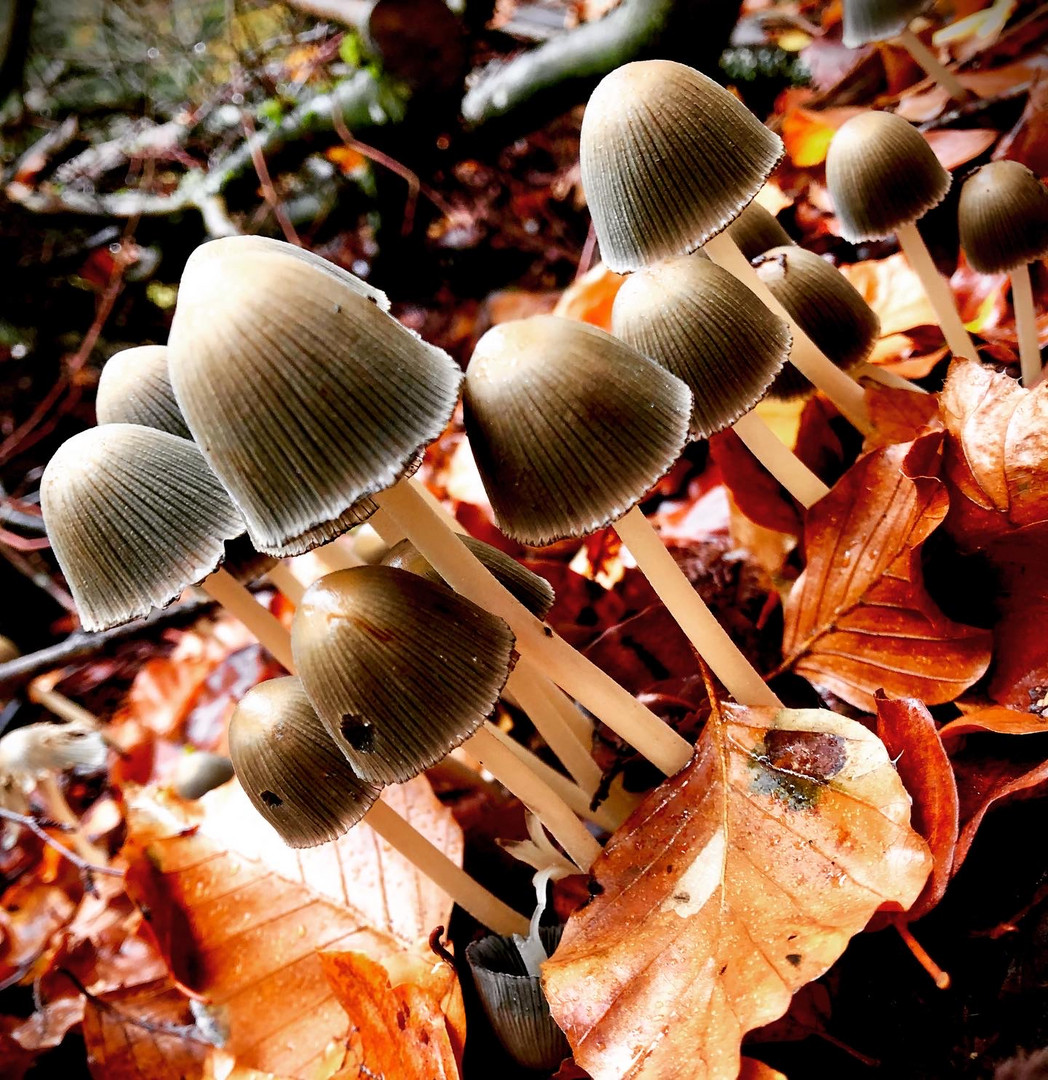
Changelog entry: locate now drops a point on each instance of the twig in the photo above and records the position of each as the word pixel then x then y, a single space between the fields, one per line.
pixel 20 543
pixel 30 823
pixel 269 192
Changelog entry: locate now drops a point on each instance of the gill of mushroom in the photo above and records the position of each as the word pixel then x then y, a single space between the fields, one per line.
pixel 301 784
pixel 669 159
pixel 570 428
pixel 1003 219
pixel 312 404
pixel 882 177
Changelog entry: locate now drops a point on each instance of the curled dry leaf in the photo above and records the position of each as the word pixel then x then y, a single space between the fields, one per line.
pixel 859 619
pixel 899 416
pixel 998 720
pixel 735 883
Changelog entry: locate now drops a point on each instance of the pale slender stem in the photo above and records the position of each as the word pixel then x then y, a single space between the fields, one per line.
pixel 805 355
pixel 61 706
pixel 458 770
pixel 285 581
pixel 335 556
pixel 238 601
pixel 485 907
pixel 551 810
pixel 59 810
pixel 938 291
pixel 779 460
pixel 596 690
pixel 571 717
pixel 707 636
pixel 924 58
pixel 887 378
pixel 1026 324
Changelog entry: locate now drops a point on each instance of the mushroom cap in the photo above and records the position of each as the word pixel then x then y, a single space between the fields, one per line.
pixel 881 173
pixel 292 772
pixel 756 230
pixel 1003 217
pixel 305 397
pixel 400 669
pixel 669 158
pixel 825 305
pixel 199 772
pixel 134 516
pixel 570 427
pixel 532 590
pixel 877 20
pixel 695 319
pixel 135 388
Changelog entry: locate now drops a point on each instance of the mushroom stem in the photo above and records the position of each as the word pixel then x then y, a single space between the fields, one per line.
pixel 805 355
pixel 937 290
pixel 286 582
pixel 887 378
pixel 924 58
pixel 238 601
pixel 336 555
pixel 60 810
pixel 60 705
pixel 707 636
pixel 582 679
pixel 554 814
pixel 1026 324
pixel 779 460
pixel 467 893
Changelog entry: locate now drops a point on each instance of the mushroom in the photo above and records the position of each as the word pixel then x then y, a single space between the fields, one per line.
pixel 200 771
pixel 867 21
pixel 297 779
pixel 882 176
pixel 669 159
pixel 1003 218
pixel 756 230
pixel 570 428
pixel 702 324
pixel 401 670
pixel 135 388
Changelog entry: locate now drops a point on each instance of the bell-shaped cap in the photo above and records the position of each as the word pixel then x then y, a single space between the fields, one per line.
pixel 303 394
pixel 756 230
pixel 400 669
pixel 1003 217
pixel 695 319
pixel 570 427
pixel 668 159
pixel 825 305
pixel 135 388
pixel 134 516
pixel 877 20
pixel 532 590
pixel 292 772
pixel 200 771
pixel 881 173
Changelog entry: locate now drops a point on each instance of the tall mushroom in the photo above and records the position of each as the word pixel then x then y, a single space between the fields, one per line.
pixel 135 388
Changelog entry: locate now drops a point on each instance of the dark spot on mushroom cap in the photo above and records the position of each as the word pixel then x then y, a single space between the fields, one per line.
pixel 681 897
pixel 794 958
pixel 817 755
pixel 271 799
pixel 358 732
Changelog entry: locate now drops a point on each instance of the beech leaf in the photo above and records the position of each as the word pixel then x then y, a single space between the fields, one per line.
pixel 859 618
pixel 735 883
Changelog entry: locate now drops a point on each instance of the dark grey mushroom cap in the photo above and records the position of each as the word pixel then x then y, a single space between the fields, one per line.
pixel 877 20
pixel 135 388
pixel 1003 217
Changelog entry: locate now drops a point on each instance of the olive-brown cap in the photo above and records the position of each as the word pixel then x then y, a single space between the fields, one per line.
pixel 292 771
pixel 756 230
pixel 695 319
pixel 1003 217
pixel 669 158
pixel 134 516
pixel 570 427
pixel 400 669
pixel 135 388
pixel 877 20
pixel 303 394
pixel 881 173
pixel 825 305
pixel 532 590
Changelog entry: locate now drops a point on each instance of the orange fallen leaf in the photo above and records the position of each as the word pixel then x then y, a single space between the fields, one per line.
pixel 807 133
pixel 859 618
pixel 899 416
pixel 735 883
pixel 955 147
pixel 998 720
pixel 757 1070
pixel 591 297
pixel 894 292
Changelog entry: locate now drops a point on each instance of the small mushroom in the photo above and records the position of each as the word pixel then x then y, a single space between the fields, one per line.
pixel 882 176
pixel 1003 218
pixel 756 230
pixel 200 771
pixel 135 388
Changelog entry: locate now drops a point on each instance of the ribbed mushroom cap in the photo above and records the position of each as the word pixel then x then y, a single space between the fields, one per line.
pixel 825 305
pixel 668 158
pixel 881 173
pixel 695 319
pixel 304 396
pixel 877 20
pixel 134 516
pixel 533 591
pixel 400 669
pixel 755 231
pixel 1003 217
pixel 569 426
pixel 292 772
pixel 135 388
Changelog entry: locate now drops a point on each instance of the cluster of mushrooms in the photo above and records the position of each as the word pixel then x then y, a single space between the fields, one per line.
pixel 289 406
